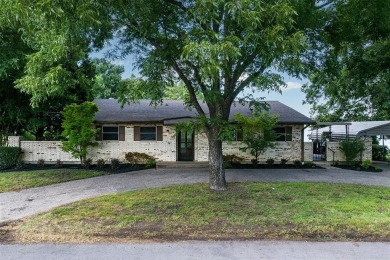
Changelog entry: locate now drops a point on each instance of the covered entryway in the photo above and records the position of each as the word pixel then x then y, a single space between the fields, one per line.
pixel 185 143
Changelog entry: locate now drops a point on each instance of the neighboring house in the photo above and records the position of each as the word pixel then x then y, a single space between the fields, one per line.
pixel 140 127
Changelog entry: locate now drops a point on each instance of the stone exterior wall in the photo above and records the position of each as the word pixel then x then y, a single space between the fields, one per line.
pixel 308 151
pixel 290 150
pixel 339 156
pixel 165 150
pixel 14 141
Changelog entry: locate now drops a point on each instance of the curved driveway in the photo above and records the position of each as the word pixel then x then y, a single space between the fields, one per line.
pixel 16 205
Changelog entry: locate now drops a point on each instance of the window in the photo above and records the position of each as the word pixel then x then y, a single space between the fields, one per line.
pixel 110 133
pixel 148 133
pixel 283 133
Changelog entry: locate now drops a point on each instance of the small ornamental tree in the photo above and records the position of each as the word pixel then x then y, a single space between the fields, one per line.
pixel 352 149
pixel 258 132
pixel 79 130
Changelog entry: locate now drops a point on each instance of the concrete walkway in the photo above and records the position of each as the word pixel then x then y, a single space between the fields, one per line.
pixel 16 205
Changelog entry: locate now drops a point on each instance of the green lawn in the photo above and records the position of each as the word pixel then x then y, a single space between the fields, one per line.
pixel 292 211
pixel 14 181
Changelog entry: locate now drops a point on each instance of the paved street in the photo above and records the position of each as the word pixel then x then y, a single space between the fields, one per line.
pixel 16 205
pixel 201 250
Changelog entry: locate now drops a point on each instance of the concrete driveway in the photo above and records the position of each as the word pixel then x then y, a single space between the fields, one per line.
pixel 16 205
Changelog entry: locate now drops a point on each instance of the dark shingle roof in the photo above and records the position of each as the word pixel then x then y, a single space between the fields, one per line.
pixel 172 111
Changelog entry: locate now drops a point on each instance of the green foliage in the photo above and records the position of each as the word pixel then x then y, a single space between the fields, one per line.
pixel 352 149
pixel 297 163
pixel 230 159
pixel 283 161
pixel 60 35
pixel 140 158
pixel 100 163
pixel 59 163
pixel 366 164
pixel 309 164
pixel 107 78
pixel 257 132
pixel 379 152
pixel 9 156
pixel 270 161
pixel 79 130
pixel 115 163
pixel 41 162
pixel 350 75
pixel 87 163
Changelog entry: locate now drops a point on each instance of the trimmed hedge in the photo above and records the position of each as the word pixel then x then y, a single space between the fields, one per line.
pixel 9 156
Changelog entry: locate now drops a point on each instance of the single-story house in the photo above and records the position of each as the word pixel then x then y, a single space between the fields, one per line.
pixel 151 129
pixel 140 127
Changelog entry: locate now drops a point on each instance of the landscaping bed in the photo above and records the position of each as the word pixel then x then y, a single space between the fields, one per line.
pixel 358 168
pixel 120 168
pixel 274 166
pixel 271 211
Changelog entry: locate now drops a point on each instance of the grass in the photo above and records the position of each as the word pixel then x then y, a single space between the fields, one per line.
pixel 14 181
pixel 288 211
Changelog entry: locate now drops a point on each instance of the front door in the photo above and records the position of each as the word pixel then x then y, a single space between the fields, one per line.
pixel 185 142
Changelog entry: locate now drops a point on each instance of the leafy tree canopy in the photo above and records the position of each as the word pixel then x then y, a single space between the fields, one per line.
pixel 350 77
pixel 107 78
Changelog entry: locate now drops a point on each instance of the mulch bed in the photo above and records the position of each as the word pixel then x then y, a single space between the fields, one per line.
pixel 125 167
pixel 274 166
pixel 357 168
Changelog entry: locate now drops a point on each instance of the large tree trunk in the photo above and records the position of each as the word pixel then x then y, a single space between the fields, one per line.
pixel 216 171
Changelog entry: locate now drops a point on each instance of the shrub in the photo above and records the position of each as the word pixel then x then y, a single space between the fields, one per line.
pixel 351 149
pixel 115 163
pixel 20 165
pixel 270 161
pixel 297 163
pixel 310 164
pixel 379 153
pixel 87 163
pixel 58 163
pixel 100 163
pixel 232 159
pixel 41 163
pixel 9 156
pixel 366 164
pixel 139 158
pixel 151 162
pixel 283 161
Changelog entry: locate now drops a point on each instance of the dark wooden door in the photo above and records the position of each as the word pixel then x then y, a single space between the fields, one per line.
pixel 185 141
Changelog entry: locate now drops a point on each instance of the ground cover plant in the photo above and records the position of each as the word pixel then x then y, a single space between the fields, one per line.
pixel 292 211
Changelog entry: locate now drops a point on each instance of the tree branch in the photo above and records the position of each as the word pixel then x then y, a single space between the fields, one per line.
pixel 190 88
pixel 247 81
